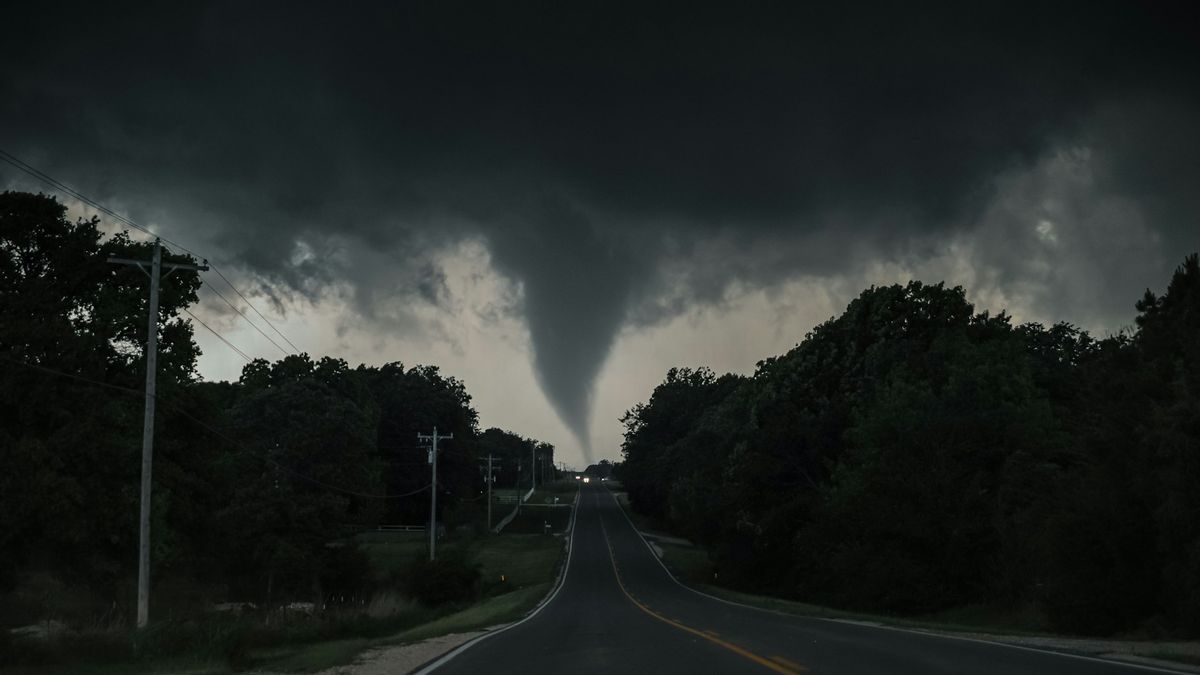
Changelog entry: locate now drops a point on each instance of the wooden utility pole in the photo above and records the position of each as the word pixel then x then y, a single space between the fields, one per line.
pixel 155 264
pixel 490 479
pixel 433 455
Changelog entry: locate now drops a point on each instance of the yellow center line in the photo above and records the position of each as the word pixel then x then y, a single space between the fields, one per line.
pixel 787 662
pixel 778 665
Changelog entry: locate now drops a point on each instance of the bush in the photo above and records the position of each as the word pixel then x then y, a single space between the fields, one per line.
pixel 437 582
pixel 1099 564
pixel 346 576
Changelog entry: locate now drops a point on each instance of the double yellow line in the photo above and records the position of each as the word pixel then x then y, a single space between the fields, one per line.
pixel 778 664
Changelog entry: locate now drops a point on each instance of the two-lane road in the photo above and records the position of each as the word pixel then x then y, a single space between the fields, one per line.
pixel 619 611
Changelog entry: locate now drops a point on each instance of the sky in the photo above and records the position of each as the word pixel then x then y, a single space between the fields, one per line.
pixel 557 202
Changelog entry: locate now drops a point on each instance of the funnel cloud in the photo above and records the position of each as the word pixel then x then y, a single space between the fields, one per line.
pixel 622 165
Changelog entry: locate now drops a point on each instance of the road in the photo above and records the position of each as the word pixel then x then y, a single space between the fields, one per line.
pixel 619 611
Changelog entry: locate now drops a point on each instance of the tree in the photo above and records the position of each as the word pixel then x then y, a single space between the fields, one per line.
pixel 68 450
pixel 305 447
pixel 414 401
pixel 1168 341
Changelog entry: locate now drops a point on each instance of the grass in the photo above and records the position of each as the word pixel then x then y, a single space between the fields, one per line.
pixel 521 559
pixel 641 522
pixel 528 564
pixel 311 657
pixel 391 550
pixel 691 565
pixel 495 610
pixel 317 656
pixel 1190 659
pixel 540 497
pixel 533 518
pixel 561 486
pixel 181 666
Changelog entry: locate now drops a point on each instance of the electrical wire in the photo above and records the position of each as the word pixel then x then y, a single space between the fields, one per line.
pixel 80 378
pixel 216 432
pixel 329 486
pixel 50 180
pixel 247 301
pixel 46 178
pixel 219 336
pixel 9 158
pixel 252 324
pixel 19 164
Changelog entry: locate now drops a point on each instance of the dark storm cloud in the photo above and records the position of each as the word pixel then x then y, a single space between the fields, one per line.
pixel 621 164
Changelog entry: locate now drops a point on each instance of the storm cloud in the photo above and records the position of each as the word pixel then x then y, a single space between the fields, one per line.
pixel 625 164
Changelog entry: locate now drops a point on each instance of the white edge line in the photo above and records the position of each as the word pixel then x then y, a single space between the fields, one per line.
pixel 1111 662
pixel 562 580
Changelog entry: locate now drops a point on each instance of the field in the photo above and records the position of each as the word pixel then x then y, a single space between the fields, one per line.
pixel 517 569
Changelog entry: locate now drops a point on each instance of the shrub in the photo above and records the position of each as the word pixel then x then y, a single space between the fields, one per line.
pixel 437 582
pixel 346 575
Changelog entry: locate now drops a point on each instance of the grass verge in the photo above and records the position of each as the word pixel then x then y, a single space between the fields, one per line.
pixel 493 611
pixel 1020 624
pixel 517 570
pixel 691 565
pixel 527 563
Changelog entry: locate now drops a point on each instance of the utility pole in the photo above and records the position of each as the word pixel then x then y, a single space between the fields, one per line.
pixel 490 479
pixel 433 450
pixel 155 263
pixel 533 466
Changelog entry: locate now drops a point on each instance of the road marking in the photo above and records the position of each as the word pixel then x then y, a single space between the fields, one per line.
pixel 1081 657
pixel 782 669
pixel 787 662
pixel 562 581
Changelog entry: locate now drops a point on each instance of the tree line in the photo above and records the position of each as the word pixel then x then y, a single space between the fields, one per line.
pixel 253 479
pixel 913 455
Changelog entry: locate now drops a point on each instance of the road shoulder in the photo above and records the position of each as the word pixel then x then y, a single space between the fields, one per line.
pixel 418 651
pixel 1169 656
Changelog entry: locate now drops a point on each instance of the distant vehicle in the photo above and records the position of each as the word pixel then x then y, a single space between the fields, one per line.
pixel 586 479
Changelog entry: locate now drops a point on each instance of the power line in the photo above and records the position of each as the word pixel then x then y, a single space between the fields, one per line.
pixel 80 378
pixel 219 336
pixel 9 158
pixel 46 178
pixel 252 324
pixel 260 314
pixel 295 473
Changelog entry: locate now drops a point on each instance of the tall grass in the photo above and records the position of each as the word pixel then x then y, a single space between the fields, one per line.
pixel 214 637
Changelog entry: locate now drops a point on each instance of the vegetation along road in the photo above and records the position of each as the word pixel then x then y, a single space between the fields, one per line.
pixel 618 610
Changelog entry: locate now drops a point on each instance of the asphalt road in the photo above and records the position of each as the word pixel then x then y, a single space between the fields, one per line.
pixel 619 611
